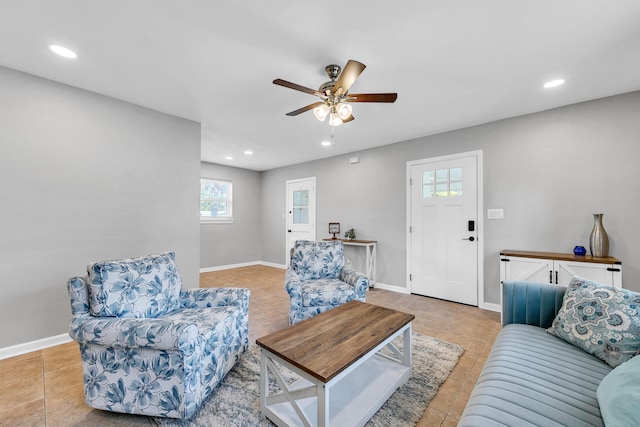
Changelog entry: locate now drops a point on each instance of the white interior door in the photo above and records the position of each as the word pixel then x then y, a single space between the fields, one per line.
pixel 301 211
pixel 443 233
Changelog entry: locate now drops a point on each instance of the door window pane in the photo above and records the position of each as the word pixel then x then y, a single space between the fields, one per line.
pixel 442 182
pixel 300 215
pixel 301 198
pixel 301 206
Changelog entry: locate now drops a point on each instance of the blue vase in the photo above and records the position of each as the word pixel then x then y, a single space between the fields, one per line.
pixel 579 250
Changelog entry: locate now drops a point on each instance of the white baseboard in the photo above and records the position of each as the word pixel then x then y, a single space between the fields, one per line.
pixel 28 347
pixel 242 264
pixel 391 288
pixel 491 306
pixel 228 267
pixel 272 264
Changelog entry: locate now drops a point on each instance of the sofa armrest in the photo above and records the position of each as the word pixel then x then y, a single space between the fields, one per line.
pixel 531 303
pixel 355 279
pixel 154 333
pixel 214 297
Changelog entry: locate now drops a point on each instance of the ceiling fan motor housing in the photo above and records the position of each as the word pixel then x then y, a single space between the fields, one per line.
pixel 333 71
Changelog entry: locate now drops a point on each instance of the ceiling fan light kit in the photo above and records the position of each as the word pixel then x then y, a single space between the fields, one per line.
pixel 335 95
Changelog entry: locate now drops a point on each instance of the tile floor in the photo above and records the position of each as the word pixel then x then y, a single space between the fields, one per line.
pixel 44 388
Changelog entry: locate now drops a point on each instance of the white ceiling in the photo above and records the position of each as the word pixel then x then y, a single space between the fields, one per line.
pixel 454 63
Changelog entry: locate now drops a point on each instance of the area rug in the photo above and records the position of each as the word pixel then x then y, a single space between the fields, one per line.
pixel 236 401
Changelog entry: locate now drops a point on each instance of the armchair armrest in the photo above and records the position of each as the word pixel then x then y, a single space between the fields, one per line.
pixel 214 297
pixel 155 333
pixel 531 303
pixel 355 279
pixel 293 284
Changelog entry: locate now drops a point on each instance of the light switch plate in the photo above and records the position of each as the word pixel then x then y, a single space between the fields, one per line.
pixel 495 213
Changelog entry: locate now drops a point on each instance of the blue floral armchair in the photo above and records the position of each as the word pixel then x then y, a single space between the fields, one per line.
pixel 148 346
pixel 317 280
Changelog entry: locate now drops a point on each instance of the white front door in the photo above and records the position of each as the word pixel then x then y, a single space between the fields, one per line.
pixel 443 228
pixel 301 211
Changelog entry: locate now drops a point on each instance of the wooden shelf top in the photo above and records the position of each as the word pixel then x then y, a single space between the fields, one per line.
pixel 351 240
pixel 560 256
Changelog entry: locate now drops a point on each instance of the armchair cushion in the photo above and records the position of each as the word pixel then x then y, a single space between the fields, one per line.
pixel 317 260
pixel 331 292
pixel 135 287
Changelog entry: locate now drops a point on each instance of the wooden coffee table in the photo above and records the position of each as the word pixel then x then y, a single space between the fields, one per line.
pixel 345 378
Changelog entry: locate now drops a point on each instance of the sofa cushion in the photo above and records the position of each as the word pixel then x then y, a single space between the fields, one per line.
pixel 317 260
pixel 135 287
pixel 532 378
pixel 601 320
pixel 323 292
pixel 619 395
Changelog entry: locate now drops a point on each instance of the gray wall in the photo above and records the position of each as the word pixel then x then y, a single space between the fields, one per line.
pixel 549 171
pixel 225 244
pixel 84 177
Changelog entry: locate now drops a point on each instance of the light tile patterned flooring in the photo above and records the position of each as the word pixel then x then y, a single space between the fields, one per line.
pixel 44 388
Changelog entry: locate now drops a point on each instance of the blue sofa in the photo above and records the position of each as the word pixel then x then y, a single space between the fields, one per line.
pixel 532 378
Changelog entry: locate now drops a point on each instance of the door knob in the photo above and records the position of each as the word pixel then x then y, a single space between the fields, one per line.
pixel 470 238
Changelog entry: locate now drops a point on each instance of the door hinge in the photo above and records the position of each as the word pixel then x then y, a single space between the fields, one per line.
pixel 410 277
pixel 410 181
pixel 410 229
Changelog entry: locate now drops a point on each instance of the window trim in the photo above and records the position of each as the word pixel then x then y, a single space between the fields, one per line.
pixel 222 219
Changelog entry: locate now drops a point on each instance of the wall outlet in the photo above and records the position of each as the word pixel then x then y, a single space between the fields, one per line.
pixel 348 263
pixel 495 213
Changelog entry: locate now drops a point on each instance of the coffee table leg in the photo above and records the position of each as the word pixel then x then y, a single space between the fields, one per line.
pixel 323 404
pixel 264 381
pixel 406 360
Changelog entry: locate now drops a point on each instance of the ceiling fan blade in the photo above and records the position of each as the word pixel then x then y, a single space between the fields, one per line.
pixel 348 75
pixel 348 119
pixel 372 97
pixel 303 109
pixel 294 86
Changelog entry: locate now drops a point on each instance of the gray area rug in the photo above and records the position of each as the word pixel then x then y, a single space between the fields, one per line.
pixel 236 401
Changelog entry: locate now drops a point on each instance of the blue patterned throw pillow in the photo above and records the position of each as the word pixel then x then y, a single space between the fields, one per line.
pixel 601 320
pixel 135 287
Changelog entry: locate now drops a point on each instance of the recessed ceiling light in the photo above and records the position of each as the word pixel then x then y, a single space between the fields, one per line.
pixel 248 152
pixel 554 83
pixel 62 51
pixel 229 158
pixel 326 143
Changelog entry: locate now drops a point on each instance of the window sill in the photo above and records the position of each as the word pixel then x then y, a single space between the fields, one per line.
pixel 216 221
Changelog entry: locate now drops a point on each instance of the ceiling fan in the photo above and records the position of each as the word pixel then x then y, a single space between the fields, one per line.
pixel 335 94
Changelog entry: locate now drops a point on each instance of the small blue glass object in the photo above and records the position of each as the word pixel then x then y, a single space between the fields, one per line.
pixel 579 250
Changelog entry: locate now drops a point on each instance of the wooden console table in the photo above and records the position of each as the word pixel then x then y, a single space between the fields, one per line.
pixel 370 260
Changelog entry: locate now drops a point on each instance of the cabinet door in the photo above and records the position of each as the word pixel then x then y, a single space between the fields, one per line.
pixel 526 269
pixel 600 273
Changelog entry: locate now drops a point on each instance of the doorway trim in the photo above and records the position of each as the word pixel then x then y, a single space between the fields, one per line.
pixel 480 217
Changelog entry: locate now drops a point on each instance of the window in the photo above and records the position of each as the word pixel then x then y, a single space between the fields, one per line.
pixel 301 207
pixel 216 201
pixel 442 183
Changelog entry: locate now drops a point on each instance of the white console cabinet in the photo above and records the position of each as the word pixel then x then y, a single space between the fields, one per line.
pixel 558 268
